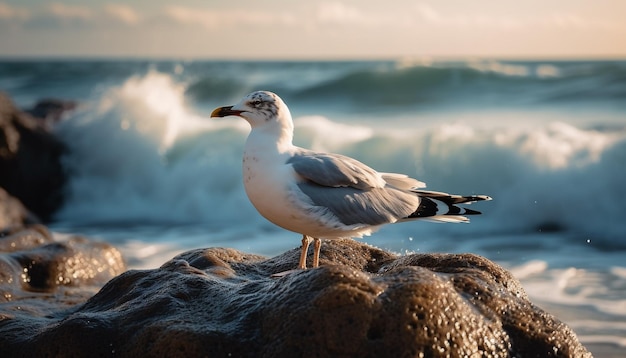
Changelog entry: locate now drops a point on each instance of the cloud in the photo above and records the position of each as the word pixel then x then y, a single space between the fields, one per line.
pixel 568 21
pixel 466 20
pixel 8 12
pixel 328 27
pixel 427 12
pixel 123 13
pixel 205 18
pixel 59 15
pixel 574 21
pixel 484 19
pixel 53 15
pixel 337 12
pixel 414 17
pixel 68 12
pixel 211 19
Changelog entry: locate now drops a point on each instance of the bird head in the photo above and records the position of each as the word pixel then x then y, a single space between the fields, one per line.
pixel 261 108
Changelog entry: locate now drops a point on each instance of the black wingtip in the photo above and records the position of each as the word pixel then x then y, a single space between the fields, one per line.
pixel 432 201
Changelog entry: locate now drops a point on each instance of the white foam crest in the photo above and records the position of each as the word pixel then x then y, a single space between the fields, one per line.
pixel 547 71
pixel 601 338
pixel 555 174
pixel 552 173
pixel 591 302
pixel 600 325
pixel 144 255
pixel 125 166
pixel 516 70
pixel 619 272
pixel 321 134
pixel 140 155
pixel 558 145
pixel 411 62
pixel 154 106
pixel 577 287
pixel 154 93
pixel 530 268
pixel 500 68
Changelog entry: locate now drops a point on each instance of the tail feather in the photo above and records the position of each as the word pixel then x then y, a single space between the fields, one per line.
pixel 442 207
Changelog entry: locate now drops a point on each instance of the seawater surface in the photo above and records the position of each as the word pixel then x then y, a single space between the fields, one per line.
pixel 152 174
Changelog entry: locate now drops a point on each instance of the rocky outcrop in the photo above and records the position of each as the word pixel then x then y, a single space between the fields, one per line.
pixel 51 110
pixel 362 302
pixel 40 274
pixel 30 160
pixel 12 213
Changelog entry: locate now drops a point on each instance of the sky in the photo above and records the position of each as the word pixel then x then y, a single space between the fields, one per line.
pixel 288 29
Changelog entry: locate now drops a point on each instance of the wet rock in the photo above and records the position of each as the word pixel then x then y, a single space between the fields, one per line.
pixel 51 110
pixel 39 274
pixel 13 213
pixel 30 161
pixel 362 302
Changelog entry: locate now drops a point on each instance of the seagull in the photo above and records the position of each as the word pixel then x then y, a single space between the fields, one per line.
pixel 325 195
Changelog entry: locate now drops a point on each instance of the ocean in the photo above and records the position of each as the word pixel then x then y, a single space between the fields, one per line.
pixel 152 174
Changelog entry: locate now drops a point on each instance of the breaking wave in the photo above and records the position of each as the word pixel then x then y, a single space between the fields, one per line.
pixel 140 153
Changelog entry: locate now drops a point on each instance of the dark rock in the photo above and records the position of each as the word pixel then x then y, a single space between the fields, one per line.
pixel 39 275
pixel 30 161
pixel 13 213
pixel 51 110
pixel 362 302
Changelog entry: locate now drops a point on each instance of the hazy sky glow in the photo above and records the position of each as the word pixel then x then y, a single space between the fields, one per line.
pixel 278 29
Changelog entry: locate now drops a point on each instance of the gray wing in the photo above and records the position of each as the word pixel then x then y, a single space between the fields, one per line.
pixel 352 191
pixel 335 170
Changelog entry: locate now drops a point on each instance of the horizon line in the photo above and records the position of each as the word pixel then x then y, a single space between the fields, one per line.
pixel 416 58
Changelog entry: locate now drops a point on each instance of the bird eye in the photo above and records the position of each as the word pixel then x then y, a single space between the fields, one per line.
pixel 256 102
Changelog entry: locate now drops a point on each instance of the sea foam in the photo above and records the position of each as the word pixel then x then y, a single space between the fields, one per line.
pixel 140 153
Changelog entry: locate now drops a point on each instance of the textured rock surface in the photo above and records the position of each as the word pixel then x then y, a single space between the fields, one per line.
pixel 30 161
pixel 39 275
pixel 51 110
pixel 362 302
pixel 13 213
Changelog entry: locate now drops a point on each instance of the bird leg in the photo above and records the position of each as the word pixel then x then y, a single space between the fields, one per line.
pixel 306 241
pixel 317 245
